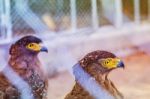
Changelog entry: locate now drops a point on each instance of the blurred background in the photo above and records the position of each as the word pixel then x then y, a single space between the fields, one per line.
pixel 73 28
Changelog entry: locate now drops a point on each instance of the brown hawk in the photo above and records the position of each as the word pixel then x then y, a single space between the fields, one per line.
pixel 25 63
pixel 91 76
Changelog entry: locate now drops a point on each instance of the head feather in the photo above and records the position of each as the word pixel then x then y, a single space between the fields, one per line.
pixel 94 57
pixel 28 39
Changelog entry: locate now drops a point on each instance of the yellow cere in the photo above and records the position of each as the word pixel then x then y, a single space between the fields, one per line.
pixel 109 63
pixel 34 46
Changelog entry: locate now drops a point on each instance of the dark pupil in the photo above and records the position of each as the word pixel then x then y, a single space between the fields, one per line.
pixel 107 62
pixel 31 45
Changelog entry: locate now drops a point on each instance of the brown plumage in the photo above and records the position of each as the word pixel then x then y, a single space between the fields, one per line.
pixel 97 73
pixel 25 63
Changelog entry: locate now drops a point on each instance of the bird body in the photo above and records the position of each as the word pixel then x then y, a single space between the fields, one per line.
pixel 92 78
pixel 26 65
pixel 30 70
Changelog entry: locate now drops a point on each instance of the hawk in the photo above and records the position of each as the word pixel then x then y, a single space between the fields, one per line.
pixel 91 76
pixel 25 63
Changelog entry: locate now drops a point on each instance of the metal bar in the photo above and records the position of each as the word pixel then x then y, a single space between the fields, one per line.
pixel 148 9
pixel 1 8
pixel 119 13
pixel 94 14
pixel 8 20
pixel 137 11
pixel 73 15
pixel 59 12
pixel 2 25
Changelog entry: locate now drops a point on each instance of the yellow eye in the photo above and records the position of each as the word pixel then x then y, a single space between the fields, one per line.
pixel 109 62
pixel 106 62
pixel 33 46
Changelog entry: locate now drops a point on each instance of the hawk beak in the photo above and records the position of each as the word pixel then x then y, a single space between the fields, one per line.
pixel 44 49
pixel 120 64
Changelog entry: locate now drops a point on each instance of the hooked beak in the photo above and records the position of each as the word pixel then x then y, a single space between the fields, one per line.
pixel 44 49
pixel 120 64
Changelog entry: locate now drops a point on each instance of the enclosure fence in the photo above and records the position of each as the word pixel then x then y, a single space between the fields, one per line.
pixel 20 17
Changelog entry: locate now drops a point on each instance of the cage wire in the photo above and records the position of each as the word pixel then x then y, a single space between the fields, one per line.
pixel 3 19
pixel 39 16
pixel 57 16
pixel 83 13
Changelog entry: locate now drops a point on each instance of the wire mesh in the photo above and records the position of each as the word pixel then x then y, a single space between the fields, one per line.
pixel 83 13
pixel 48 16
pixel 40 16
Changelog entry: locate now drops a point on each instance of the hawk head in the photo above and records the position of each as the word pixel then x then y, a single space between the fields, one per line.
pixel 100 62
pixel 27 45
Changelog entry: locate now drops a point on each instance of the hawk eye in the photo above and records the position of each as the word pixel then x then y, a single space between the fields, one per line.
pixel 106 62
pixel 31 45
